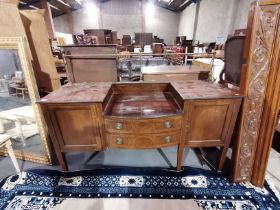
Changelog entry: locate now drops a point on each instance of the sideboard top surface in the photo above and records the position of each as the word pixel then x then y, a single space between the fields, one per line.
pixel 197 89
pixel 97 91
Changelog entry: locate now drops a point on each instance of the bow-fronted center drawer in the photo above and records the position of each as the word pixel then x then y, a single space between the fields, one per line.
pixel 155 125
pixel 143 141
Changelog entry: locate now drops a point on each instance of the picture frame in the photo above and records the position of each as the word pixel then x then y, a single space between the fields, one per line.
pixel 20 44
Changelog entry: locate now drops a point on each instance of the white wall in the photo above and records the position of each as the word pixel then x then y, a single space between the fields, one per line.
pixel 163 23
pixel 77 21
pixel 62 24
pixel 123 16
pixel 215 18
pixel 242 14
pixel 186 22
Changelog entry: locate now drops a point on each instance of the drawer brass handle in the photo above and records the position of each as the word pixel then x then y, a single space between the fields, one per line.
pixel 119 141
pixel 168 124
pixel 119 126
pixel 168 139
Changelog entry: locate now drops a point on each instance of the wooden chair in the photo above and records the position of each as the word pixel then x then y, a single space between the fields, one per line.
pixel 234 48
pixel 6 142
pixel 230 76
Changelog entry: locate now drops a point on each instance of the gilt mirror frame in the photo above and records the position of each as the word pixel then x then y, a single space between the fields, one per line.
pixel 20 44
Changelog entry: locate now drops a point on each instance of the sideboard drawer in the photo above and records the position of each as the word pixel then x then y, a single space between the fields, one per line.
pixel 145 126
pixel 168 124
pixel 142 141
pixel 120 140
pixel 167 139
pixel 118 126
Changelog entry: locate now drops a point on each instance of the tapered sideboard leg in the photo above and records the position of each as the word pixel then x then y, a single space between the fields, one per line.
pixel 180 154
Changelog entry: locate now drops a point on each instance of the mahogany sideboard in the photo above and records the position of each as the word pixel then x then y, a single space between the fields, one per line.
pixel 94 116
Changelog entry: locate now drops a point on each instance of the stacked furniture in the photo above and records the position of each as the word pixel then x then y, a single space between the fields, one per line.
pixel 130 68
pixel 158 48
pixel 87 63
pixel 143 39
pixel 103 35
pixel 126 40
pixel 114 37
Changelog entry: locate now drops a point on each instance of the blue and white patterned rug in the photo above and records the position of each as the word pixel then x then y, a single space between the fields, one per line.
pixel 45 189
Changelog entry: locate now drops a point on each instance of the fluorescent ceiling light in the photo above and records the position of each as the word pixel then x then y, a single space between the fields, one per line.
pixel 150 9
pixel 33 7
pixel 54 7
pixel 91 8
pixel 62 2
pixel 170 2
pixel 185 3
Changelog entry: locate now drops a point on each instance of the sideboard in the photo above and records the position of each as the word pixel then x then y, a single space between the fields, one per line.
pixel 94 116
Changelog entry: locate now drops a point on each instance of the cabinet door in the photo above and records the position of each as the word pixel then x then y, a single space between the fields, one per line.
pixel 76 128
pixel 210 122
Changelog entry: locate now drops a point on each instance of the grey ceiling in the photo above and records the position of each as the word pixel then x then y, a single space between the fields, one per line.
pixel 60 7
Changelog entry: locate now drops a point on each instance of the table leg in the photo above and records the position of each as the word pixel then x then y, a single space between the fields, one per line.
pixel 62 161
pixel 16 92
pixel 22 92
pixel 12 155
pixel 222 158
pixel 19 131
pixel 180 154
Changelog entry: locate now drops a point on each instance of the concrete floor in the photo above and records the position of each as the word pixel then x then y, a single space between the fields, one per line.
pixel 164 158
pixel 273 168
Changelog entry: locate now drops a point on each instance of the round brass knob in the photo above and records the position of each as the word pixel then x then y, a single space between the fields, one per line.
pixel 168 124
pixel 119 126
pixel 168 139
pixel 119 141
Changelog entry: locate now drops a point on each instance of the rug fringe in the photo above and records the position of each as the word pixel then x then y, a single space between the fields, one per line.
pixel 272 186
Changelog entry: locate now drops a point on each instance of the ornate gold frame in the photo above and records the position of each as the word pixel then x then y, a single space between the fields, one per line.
pixel 19 43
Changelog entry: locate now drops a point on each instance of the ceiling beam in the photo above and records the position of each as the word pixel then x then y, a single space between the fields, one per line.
pixel 166 7
pixel 185 5
pixel 170 2
pixel 61 5
pixel 26 5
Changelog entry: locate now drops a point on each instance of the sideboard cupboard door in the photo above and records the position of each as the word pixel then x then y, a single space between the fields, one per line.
pixel 76 127
pixel 210 122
